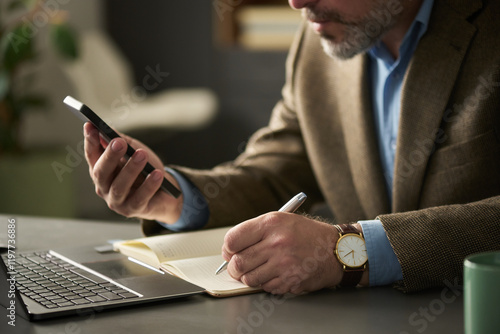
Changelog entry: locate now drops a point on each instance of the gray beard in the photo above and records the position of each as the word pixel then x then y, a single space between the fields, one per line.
pixel 355 43
pixel 362 35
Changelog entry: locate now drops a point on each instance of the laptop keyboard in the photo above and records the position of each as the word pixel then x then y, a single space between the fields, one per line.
pixel 55 283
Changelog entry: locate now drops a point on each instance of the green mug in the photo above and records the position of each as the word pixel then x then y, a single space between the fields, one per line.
pixel 482 293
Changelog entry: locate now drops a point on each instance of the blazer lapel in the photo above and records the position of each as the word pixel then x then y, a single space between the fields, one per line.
pixel 360 137
pixel 425 97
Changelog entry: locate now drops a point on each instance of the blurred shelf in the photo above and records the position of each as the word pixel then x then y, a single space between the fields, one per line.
pixel 255 24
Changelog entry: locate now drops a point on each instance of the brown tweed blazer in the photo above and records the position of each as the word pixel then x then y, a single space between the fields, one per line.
pixel 321 140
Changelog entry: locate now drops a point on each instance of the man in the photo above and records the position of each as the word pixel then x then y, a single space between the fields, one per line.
pixel 390 114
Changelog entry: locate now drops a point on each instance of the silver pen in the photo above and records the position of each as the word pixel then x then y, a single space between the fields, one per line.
pixel 290 206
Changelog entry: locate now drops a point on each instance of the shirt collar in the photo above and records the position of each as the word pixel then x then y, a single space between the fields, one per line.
pixel 412 36
pixel 423 17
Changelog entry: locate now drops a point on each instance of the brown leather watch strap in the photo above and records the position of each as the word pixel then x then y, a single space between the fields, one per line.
pixel 347 228
pixel 351 278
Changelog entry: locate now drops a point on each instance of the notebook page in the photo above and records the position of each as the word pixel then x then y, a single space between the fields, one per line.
pixel 201 271
pixel 183 245
pixel 186 245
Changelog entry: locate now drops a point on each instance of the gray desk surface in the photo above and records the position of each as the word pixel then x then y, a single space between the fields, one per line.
pixel 365 310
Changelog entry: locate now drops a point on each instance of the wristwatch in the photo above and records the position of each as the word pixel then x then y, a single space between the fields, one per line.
pixel 351 252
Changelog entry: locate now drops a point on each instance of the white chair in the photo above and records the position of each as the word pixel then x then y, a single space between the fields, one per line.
pixel 103 80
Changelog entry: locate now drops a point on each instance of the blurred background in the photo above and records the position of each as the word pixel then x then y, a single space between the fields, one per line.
pixel 192 79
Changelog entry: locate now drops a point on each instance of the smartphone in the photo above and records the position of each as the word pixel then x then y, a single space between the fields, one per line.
pixel 87 115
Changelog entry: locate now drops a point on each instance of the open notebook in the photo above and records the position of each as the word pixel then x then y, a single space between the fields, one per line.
pixel 192 256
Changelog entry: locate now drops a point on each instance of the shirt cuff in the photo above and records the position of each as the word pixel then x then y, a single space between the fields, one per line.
pixel 384 265
pixel 195 211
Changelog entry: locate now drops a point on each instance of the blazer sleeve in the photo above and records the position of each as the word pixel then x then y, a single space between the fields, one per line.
pixel 431 244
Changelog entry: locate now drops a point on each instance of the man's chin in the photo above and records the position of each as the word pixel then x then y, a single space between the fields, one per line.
pixel 339 50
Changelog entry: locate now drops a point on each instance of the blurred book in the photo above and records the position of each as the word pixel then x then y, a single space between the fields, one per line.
pixel 267 27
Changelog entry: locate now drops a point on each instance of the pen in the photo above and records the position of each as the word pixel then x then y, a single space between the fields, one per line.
pixel 290 206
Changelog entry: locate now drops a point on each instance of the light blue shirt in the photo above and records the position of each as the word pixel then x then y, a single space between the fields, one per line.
pixel 195 212
pixel 387 76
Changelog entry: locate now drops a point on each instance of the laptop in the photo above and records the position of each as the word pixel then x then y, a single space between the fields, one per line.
pixel 78 280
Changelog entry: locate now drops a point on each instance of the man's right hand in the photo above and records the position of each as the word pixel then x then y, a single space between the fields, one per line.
pixel 120 183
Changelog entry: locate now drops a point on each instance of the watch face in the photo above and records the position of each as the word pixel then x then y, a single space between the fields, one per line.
pixel 351 250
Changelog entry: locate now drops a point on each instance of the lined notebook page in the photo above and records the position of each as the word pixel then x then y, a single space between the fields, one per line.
pixel 184 245
pixel 201 271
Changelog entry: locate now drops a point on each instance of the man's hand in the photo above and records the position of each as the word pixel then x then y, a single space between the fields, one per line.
pixel 120 183
pixel 283 252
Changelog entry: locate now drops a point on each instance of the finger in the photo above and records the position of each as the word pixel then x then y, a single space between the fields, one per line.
pixel 284 282
pixel 277 286
pixel 124 180
pixel 276 266
pixel 260 276
pixel 93 148
pixel 141 198
pixel 105 168
pixel 103 141
pixel 248 260
pixel 245 235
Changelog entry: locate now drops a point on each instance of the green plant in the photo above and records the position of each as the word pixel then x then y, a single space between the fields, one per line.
pixel 22 27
